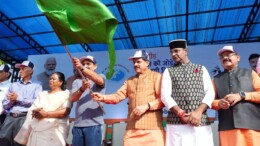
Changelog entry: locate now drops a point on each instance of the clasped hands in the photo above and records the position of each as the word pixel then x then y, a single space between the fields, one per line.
pixel 12 96
pixel 39 113
pixel 229 100
pixel 193 118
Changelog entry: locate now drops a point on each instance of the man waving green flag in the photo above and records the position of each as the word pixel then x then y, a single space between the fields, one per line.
pixel 82 21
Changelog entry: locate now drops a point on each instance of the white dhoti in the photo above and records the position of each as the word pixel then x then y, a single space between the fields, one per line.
pixel 187 135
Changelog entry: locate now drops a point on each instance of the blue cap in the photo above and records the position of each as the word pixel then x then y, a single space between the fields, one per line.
pixel 25 63
pixel 91 58
pixel 4 68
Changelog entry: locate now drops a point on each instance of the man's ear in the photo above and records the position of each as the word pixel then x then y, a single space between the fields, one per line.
pixel 31 71
pixel 95 66
pixel 186 50
pixel 148 63
pixel 238 57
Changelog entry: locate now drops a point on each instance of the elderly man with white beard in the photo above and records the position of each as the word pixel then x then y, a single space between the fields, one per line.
pixel 49 67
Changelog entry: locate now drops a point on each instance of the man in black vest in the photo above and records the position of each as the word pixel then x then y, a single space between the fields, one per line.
pixel 186 92
pixel 237 101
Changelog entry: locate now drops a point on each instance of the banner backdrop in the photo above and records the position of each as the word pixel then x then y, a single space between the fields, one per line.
pixel 160 58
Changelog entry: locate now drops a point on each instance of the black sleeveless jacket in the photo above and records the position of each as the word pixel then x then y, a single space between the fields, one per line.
pixel 243 115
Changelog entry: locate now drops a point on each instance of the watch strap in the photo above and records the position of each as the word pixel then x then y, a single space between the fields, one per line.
pixel 242 95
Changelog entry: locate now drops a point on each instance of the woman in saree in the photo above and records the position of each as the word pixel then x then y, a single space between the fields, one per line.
pixel 47 121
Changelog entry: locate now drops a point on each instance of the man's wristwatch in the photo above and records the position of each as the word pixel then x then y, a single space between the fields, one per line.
pixel 242 95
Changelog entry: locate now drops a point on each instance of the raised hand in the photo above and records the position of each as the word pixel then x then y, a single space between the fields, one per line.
pixel 195 118
pixel 76 62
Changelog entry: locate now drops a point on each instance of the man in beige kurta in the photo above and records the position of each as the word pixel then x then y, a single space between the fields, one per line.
pixel 144 120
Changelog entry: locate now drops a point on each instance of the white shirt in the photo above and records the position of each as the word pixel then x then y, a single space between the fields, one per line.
pixel 166 89
pixel 4 86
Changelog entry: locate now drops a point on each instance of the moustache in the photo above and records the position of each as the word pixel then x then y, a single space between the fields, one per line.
pixel 226 60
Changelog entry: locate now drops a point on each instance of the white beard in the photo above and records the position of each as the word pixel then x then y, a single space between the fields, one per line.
pixel 49 72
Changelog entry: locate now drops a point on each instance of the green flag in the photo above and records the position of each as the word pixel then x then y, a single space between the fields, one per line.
pixel 82 21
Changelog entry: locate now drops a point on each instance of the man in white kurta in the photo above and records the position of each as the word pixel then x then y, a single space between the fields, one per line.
pixel 187 92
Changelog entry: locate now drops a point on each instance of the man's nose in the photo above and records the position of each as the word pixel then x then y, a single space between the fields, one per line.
pixel 173 53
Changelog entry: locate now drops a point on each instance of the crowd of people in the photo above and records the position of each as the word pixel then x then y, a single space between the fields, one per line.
pixel 36 113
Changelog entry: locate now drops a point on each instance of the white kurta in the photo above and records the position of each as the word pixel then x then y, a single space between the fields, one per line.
pixel 187 135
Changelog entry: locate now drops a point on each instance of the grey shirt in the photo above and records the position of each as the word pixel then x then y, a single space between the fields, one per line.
pixel 88 112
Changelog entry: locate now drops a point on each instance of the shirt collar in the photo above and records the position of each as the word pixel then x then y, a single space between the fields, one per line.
pixel 145 73
pixel 233 70
pixel 29 82
pixel 182 64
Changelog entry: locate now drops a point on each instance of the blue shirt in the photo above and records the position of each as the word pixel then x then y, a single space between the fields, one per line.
pixel 26 95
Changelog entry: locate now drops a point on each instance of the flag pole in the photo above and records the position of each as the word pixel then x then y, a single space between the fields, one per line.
pixel 83 77
pixel 68 52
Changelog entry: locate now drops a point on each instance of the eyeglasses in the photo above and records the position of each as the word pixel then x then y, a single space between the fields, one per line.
pixel 227 55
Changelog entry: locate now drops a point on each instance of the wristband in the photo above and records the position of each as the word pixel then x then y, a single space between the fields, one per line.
pixel 181 114
pixel 81 90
